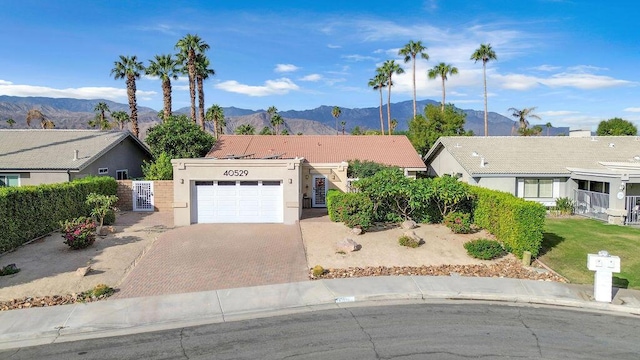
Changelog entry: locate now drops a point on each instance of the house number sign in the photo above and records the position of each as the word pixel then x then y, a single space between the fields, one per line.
pixel 236 173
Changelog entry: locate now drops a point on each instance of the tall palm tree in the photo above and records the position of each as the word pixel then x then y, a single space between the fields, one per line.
pixel 336 112
pixel 202 73
pixel 442 70
pixel 190 46
pixel 410 51
pixel 215 114
pixel 129 68
pixel 486 54
pixel 120 118
pixel 276 121
pixel 549 126
pixel 522 115
pixel 166 68
pixel 343 124
pixel 378 83
pixel 101 119
pixel 35 114
pixel 389 68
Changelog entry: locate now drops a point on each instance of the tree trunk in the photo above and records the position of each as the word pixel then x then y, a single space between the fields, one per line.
pixel 201 100
pixel 442 106
pixel 486 119
pixel 414 86
pixel 131 93
pixel 389 106
pixel 191 65
pixel 215 126
pixel 166 95
pixel 381 118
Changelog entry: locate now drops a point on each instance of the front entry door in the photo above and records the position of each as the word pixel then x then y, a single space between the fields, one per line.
pixel 320 185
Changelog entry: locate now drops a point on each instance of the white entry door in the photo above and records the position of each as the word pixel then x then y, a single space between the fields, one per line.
pixel 142 195
pixel 320 186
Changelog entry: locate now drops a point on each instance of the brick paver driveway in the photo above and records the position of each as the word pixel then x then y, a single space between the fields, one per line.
pixel 205 257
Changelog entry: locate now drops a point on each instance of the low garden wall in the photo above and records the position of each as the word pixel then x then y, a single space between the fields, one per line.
pixel 162 195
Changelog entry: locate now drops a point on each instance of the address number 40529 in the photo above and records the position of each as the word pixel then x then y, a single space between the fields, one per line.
pixel 236 173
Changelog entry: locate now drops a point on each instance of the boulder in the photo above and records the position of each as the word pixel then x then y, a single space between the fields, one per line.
pixel 83 271
pixel 414 236
pixel 356 231
pixel 347 245
pixel 408 224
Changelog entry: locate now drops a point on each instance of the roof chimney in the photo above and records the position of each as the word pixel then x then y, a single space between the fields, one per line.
pixel 75 155
pixel 482 163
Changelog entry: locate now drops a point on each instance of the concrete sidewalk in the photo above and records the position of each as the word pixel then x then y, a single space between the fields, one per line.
pixel 29 327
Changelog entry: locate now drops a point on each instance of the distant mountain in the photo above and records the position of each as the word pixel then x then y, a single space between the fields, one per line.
pixel 76 113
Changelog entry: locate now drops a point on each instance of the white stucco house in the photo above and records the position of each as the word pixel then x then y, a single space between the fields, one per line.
pixel 601 174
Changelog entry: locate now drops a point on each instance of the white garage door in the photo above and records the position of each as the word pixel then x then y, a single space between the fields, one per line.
pixel 239 201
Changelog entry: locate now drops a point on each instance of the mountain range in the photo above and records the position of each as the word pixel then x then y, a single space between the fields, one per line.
pixel 76 113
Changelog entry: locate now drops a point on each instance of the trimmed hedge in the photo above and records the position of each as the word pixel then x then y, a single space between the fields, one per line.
pixel 333 196
pixel 516 222
pixel 354 209
pixel 28 212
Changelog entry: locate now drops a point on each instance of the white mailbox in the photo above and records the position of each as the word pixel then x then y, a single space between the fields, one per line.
pixel 604 265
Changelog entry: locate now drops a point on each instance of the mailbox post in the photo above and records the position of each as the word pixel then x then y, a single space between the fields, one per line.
pixel 604 265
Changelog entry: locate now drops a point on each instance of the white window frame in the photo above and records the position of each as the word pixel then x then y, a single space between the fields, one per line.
pixel 5 176
pixel 103 171
pixel 537 188
pixel 122 171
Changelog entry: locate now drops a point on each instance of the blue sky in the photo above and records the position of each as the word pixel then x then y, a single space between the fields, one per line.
pixel 576 60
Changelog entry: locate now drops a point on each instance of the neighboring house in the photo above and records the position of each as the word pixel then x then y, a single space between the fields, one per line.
pixel 33 157
pixel 270 178
pixel 601 174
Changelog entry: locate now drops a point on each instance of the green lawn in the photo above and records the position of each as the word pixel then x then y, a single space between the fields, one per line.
pixel 567 242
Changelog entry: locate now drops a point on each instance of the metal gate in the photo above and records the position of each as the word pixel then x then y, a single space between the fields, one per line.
pixel 633 210
pixel 142 195
pixel 591 204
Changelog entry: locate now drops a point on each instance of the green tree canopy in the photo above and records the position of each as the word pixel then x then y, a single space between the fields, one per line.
pixel 425 130
pixel 245 129
pixel 616 127
pixel 179 137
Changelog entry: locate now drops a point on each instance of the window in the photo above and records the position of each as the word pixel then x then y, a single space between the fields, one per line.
pixel 122 174
pixel 595 186
pixel 9 180
pixel 538 188
pixel 103 171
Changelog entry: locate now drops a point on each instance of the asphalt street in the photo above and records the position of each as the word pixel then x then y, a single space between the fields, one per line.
pixel 459 330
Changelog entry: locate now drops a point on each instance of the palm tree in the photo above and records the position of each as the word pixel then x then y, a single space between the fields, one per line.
pixel 245 129
pixel 120 118
pixel 442 70
pixel 549 126
pixel 166 68
pixel 271 111
pixel 410 51
pixel 100 120
pixel 215 114
pixel 202 73
pixel 129 68
pixel 534 131
pixel 378 83
pixel 188 47
pixel 11 122
pixel 394 124
pixel 35 114
pixel 389 68
pixel 336 112
pixel 276 121
pixel 343 124
pixel 522 115
pixel 484 53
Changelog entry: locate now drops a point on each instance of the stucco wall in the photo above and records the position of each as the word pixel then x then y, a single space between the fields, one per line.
pixel 126 155
pixel 187 171
pixel 37 178
pixel 445 164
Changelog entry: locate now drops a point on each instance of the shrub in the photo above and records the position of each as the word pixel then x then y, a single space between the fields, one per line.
pixel 515 222
pixel 356 210
pixel 451 195
pixel 78 233
pixel 564 206
pixel 458 222
pixel 110 217
pixel 484 249
pixel 100 290
pixel 160 169
pixel 101 204
pixel 390 191
pixel 318 270
pixel 362 169
pixel 9 270
pixel 408 241
pixel 333 197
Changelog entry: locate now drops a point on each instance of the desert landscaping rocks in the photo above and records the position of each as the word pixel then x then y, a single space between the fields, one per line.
pixel 412 235
pixel 347 245
pixel 508 268
pixel 45 301
pixel 356 231
pixel 408 225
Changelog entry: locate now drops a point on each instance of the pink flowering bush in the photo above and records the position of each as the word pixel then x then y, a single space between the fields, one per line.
pixel 79 233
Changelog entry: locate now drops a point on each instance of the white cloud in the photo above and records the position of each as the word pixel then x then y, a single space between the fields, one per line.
pixel 585 69
pixel 546 68
pixel 109 93
pixel 583 81
pixel 632 109
pixel 311 77
pixel 282 68
pixel 558 113
pixel 332 46
pixel 356 57
pixel 271 87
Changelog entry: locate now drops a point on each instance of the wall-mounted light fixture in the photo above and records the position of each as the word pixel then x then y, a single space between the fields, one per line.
pixel 290 181
pixel 181 181
pixel 306 177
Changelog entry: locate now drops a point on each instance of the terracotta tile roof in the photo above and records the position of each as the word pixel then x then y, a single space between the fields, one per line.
pixel 393 150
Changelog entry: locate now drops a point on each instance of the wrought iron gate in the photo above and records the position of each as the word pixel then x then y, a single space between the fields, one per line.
pixel 633 210
pixel 142 195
